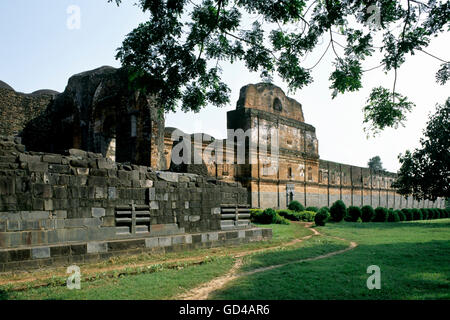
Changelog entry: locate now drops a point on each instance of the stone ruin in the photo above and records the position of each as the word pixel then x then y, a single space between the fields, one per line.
pixel 88 174
pixel 82 179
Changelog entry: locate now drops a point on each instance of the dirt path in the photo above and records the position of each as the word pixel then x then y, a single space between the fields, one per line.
pixel 202 292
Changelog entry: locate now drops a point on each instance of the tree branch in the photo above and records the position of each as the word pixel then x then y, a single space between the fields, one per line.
pixel 326 50
pixel 219 6
pixel 431 55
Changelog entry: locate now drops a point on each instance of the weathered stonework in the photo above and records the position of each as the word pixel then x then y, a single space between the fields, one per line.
pixel 99 112
pixel 17 109
pixel 46 201
pixel 301 174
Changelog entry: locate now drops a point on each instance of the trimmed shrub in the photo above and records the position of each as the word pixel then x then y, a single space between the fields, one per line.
pixel 296 206
pixel 381 215
pixel 393 216
pixel 314 209
pixel 437 214
pixel 424 213
pixel 408 214
pixel 290 215
pixel 442 213
pixel 322 216
pixel 401 215
pixel 280 220
pixel 255 215
pixel 267 216
pixel 367 213
pixel 354 213
pixel 338 211
pixel 417 214
pixel 308 216
pixel 428 214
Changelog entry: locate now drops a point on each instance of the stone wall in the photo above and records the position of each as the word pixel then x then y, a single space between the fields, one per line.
pixel 49 200
pixel 100 112
pixel 17 109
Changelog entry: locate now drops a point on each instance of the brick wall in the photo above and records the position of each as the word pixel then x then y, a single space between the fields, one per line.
pixel 48 199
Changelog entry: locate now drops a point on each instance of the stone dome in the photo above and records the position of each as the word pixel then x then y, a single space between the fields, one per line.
pixel 45 91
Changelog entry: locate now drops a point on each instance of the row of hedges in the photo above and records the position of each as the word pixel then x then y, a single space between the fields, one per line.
pixel 380 214
pixel 338 212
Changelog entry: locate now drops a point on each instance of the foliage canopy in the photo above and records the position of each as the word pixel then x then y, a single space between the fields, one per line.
pixel 176 55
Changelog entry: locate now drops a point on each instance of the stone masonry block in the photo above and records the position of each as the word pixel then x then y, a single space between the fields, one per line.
pixel 213 236
pixel 165 241
pixel 151 243
pixel 98 212
pixel 97 247
pixel 154 205
pixel 40 253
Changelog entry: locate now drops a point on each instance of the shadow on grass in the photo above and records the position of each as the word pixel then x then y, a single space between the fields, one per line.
pixel 408 271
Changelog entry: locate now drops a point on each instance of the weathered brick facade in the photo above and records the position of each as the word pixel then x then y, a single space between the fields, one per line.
pixel 300 174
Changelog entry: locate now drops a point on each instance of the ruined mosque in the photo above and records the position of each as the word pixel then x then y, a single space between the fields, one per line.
pixel 88 173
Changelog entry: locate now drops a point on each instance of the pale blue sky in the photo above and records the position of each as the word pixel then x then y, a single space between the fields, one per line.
pixel 38 51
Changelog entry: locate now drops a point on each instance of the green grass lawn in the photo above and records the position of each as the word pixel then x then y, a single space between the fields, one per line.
pixel 163 283
pixel 414 258
pixel 312 247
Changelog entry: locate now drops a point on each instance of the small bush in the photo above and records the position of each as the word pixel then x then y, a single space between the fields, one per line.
pixel 367 213
pixel 417 214
pixel 280 220
pixel 267 216
pixel 401 215
pixel 424 214
pixel 338 211
pixel 437 214
pixel 408 214
pixel 322 216
pixel 296 206
pixel 255 215
pixel 393 216
pixel 354 213
pixel 290 215
pixel 381 215
pixel 314 209
pixel 444 213
pixel 307 216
